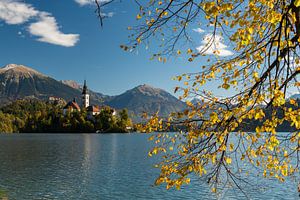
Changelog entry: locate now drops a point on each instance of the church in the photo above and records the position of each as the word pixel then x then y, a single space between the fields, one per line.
pixel 73 106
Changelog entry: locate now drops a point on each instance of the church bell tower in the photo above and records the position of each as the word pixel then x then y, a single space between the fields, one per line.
pixel 85 96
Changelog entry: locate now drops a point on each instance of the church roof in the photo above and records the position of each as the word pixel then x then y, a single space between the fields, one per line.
pixel 72 104
pixel 93 109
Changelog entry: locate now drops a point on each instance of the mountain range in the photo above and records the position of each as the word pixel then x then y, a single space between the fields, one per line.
pixel 22 82
pixel 145 98
pixel 19 82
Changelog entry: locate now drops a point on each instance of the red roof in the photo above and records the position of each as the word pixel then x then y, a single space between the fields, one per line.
pixel 72 105
pixel 93 109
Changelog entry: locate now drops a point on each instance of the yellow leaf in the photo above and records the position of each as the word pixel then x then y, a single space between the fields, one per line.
pixel 243 157
pixel 138 16
pixel 168 186
pixel 226 86
pixel 297 3
pixel 188 103
pixel 292 101
pixel 214 117
pixel 231 146
pixel 228 160
pixel 154 151
pixel 187 181
pixel 151 138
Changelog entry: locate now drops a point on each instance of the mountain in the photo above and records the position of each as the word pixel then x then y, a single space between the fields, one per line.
pixel 145 98
pixel 196 101
pixel 93 95
pixel 72 84
pixel 19 82
pixel 295 96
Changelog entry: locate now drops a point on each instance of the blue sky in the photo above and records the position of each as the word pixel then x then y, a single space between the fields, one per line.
pixel 63 39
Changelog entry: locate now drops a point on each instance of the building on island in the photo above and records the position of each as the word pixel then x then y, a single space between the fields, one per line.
pixel 92 110
pixel 71 106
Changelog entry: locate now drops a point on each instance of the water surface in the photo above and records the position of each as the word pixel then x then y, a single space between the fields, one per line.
pixel 83 166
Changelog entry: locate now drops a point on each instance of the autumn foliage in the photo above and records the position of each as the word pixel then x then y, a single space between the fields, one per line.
pixel 265 36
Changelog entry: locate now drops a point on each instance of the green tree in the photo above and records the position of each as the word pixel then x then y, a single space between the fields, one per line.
pixel 124 121
pixel 105 121
pixel 6 125
pixel 32 116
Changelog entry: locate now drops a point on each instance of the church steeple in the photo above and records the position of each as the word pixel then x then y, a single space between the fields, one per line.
pixel 85 96
pixel 84 89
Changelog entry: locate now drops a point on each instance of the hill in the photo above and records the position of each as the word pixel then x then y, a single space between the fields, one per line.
pixel 145 98
pixel 21 82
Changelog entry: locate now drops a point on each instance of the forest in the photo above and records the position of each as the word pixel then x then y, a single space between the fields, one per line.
pixel 35 116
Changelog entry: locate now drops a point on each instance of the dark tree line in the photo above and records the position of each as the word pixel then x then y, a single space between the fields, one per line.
pixel 33 116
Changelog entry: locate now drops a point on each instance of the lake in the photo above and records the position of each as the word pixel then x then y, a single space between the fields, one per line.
pixel 112 166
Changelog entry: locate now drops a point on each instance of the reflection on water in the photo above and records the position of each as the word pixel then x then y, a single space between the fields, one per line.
pixel 111 166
